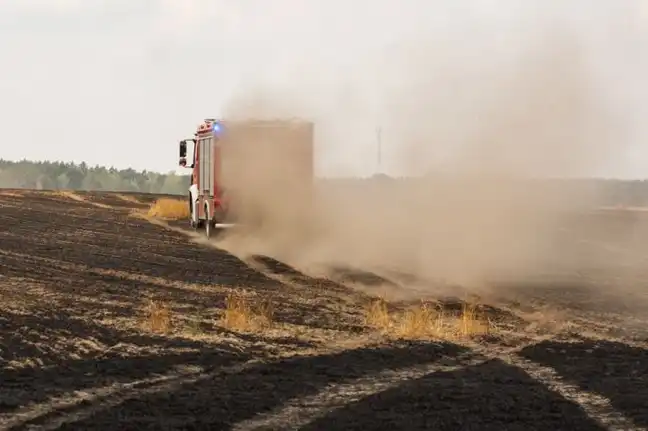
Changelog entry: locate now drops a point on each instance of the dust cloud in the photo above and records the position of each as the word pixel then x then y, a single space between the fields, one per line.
pixel 487 210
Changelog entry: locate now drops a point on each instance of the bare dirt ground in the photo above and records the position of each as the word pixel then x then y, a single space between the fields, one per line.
pixel 77 272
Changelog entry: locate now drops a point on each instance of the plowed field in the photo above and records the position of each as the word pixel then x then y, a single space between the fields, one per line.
pixel 78 271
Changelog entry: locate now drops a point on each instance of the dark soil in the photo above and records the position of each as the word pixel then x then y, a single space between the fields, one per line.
pixel 76 275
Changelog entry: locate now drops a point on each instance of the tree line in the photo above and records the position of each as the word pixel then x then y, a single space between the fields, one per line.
pixel 47 175
pixel 71 176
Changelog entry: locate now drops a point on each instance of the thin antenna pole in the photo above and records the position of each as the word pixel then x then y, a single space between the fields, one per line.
pixel 379 148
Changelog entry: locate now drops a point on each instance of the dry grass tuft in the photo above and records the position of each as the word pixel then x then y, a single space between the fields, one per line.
pixel 158 317
pixel 169 209
pixel 377 315
pixel 241 315
pixel 193 328
pixel 472 322
pixel 419 322
pixel 426 321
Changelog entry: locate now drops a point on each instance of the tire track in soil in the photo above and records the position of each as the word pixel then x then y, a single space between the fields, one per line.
pixel 302 412
pixel 596 406
pixel 81 405
pixel 315 412
pixel 615 372
pixel 218 399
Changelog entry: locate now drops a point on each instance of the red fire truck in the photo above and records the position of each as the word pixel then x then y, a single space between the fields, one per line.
pixel 231 159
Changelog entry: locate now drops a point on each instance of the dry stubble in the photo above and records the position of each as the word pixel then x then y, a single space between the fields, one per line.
pixel 427 321
pixel 243 314
pixel 169 209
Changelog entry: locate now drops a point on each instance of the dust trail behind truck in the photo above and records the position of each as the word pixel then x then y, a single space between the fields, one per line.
pixel 254 173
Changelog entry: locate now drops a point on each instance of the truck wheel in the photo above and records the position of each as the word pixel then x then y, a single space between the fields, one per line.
pixel 194 224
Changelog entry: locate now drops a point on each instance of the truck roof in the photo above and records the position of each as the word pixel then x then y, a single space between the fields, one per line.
pixel 258 120
pixel 208 124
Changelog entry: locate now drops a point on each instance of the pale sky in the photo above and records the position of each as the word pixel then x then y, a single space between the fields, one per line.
pixel 116 82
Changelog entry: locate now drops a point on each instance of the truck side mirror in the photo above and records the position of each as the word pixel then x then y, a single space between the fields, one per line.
pixel 183 149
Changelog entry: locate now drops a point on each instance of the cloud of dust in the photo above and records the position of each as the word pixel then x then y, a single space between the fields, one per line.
pixel 480 215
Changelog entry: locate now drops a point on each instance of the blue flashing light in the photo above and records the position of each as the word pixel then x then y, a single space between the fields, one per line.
pixel 217 128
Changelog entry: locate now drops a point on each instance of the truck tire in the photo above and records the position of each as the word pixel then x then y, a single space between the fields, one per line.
pixel 194 224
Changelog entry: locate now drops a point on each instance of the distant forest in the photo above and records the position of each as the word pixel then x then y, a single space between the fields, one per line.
pixel 58 175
